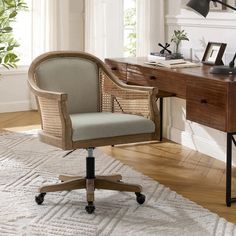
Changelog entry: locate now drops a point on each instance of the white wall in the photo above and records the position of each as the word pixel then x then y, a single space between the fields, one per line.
pixel 14 94
pixel 217 27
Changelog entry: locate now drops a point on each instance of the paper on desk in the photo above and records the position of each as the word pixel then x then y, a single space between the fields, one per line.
pixel 176 63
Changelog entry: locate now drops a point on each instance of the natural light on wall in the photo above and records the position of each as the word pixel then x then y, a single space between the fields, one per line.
pixel 22 29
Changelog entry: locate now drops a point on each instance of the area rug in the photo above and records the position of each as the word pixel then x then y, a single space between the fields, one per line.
pixel 26 163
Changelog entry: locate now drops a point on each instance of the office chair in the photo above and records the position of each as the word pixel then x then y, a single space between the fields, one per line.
pixel 83 105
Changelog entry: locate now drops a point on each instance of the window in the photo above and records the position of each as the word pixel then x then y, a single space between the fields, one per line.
pixel 130 20
pixel 22 29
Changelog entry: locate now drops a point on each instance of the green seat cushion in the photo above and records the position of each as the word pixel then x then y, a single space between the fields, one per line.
pixel 104 124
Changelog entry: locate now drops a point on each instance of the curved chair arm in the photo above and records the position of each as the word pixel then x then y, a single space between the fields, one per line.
pixel 120 97
pixel 55 120
pixel 117 88
pixel 44 93
pixel 105 69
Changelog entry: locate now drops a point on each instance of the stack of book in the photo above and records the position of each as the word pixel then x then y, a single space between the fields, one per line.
pixel 153 56
pixel 173 64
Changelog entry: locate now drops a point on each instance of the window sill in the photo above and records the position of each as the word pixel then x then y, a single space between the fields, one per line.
pixel 17 71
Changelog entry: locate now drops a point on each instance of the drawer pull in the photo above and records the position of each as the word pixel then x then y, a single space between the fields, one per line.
pixel 152 77
pixel 204 101
pixel 113 68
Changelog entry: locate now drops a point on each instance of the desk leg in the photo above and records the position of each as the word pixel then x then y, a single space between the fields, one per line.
pixel 161 117
pixel 230 138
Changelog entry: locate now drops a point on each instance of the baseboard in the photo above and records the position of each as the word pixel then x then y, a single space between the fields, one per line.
pixel 15 106
pixel 203 145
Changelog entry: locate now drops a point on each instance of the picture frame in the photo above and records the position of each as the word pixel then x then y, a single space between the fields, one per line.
pixel 219 7
pixel 214 53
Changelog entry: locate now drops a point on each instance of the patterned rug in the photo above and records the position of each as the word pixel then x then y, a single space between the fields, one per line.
pixel 26 163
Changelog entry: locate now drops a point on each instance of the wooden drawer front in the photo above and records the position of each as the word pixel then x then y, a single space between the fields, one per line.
pixel 119 69
pixel 207 106
pixel 163 80
pixel 141 76
pixel 137 79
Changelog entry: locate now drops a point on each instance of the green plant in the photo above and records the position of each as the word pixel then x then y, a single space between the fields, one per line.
pixel 130 28
pixel 177 37
pixel 8 12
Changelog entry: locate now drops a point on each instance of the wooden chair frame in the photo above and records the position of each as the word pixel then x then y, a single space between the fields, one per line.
pixel 115 96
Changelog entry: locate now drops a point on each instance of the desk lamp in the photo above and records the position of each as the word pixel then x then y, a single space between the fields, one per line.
pixel 202 7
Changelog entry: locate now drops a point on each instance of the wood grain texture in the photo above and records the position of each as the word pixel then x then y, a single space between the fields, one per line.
pixel 231 122
pixel 210 98
pixel 196 176
pixel 120 70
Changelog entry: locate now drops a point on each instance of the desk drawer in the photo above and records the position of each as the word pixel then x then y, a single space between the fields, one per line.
pixel 140 79
pixel 142 76
pixel 162 79
pixel 207 106
pixel 118 68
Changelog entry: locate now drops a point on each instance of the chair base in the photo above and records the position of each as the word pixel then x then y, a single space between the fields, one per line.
pixel 90 183
pixel 111 182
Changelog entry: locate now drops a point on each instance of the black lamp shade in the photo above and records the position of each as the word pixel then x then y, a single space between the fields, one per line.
pixel 200 6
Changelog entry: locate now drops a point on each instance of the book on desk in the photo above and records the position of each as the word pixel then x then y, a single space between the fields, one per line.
pixel 155 56
pixel 173 64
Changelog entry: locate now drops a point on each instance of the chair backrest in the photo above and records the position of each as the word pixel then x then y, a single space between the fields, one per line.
pixel 75 76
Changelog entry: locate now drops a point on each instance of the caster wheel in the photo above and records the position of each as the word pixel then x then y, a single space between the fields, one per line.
pixel 140 198
pixel 40 198
pixel 90 208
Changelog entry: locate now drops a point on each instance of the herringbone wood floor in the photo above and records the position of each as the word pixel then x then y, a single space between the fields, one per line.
pixel 197 177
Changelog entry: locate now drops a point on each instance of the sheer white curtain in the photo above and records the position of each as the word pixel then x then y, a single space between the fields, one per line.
pixel 96 27
pixel 143 27
pixel 104 28
pixel 50 28
pixel 150 25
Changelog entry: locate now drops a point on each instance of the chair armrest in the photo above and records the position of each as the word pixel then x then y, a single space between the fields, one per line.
pixel 115 87
pixel 132 91
pixel 120 97
pixel 52 106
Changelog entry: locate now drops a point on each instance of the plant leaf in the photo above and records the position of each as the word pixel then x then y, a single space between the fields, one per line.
pixel 7 29
pixel 13 14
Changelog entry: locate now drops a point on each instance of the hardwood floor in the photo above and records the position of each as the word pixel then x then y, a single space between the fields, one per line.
pixel 196 176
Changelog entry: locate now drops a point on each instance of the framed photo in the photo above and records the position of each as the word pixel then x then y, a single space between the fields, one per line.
pixel 214 53
pixel 218 6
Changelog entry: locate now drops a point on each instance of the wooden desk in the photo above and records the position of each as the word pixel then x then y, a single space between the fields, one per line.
pixel 210 99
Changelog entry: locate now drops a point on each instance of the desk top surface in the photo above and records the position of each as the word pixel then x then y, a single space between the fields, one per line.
pixel 202 71
pixel 210 98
